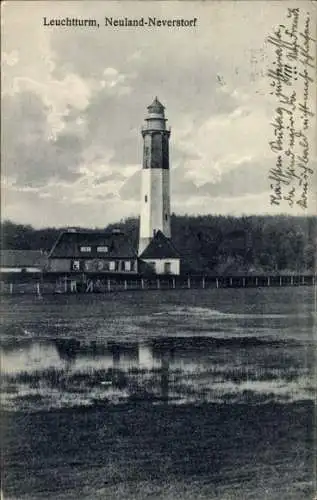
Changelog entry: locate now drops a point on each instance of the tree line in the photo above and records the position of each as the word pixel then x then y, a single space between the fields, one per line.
pixel 209 243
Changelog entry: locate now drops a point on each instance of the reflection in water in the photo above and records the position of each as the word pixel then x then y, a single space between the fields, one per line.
pixel 146 359
pixel 165 378
pixel 188 369
pixel 123 355
pixel 36 355
pixel 28 356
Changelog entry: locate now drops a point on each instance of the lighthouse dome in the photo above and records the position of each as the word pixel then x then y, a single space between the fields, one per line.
pixel 156 107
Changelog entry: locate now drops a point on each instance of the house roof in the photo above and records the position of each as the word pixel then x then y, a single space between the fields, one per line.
pixel 22 258
pixel 160 247
pixel 69 243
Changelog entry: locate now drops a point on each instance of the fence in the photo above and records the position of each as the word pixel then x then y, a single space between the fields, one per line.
pixel 97 284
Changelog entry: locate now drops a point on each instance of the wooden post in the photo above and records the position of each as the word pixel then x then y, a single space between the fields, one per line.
pixel 11 288
pixel 38 289
pixel 303 280
pixel 230 281
pixel 268 281
pixel 243 282
pixel 256 281
pixel 73 286
pixel 203 282
pixel 125 284
pixel 174 284
pixel 188 282
pixel 65 284
pixel 280 280
pixel 109 285
pixel 292 280
pixel 217 283
pixel 142 283
pixel 158 283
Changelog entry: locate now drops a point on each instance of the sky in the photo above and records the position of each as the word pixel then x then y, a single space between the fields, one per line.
pixel 74 100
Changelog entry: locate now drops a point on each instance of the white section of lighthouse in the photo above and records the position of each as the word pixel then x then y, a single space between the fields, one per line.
pixel 155 189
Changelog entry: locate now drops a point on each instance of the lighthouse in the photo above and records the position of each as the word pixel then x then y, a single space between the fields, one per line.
pixel 155 183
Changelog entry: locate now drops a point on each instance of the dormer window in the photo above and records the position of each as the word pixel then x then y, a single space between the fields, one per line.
pixel 103 249
pixel 85 249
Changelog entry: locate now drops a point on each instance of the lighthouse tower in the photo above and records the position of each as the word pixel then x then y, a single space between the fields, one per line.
pixel 155 190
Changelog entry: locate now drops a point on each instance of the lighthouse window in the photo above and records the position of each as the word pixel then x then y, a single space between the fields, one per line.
pixel 145 198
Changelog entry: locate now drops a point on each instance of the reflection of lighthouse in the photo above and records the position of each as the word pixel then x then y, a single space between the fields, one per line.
pixel 146 359
pixel 155 191
pixel 165 368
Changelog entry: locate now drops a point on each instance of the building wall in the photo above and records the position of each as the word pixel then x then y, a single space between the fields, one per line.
pixel 59 265
pixel 129 266
pixel 10 270
pixel 159 265
pixel 110 265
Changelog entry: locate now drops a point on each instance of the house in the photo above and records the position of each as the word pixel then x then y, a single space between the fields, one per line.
pixel 93 252
pixel 160 255
pixel 22 261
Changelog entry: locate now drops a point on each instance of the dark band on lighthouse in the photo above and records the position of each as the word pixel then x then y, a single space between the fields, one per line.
pixel 156 137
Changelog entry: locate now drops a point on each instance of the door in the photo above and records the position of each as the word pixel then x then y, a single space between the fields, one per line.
pixel 167 267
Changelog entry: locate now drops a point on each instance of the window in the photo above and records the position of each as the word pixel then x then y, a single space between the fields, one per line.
pixel 87 265
pixel 112 265
pixel 145 198
pixel 85 249
pixel 166 216
pixel 102 249
pixel 100 265
pixel 76 265
pixel 127 265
